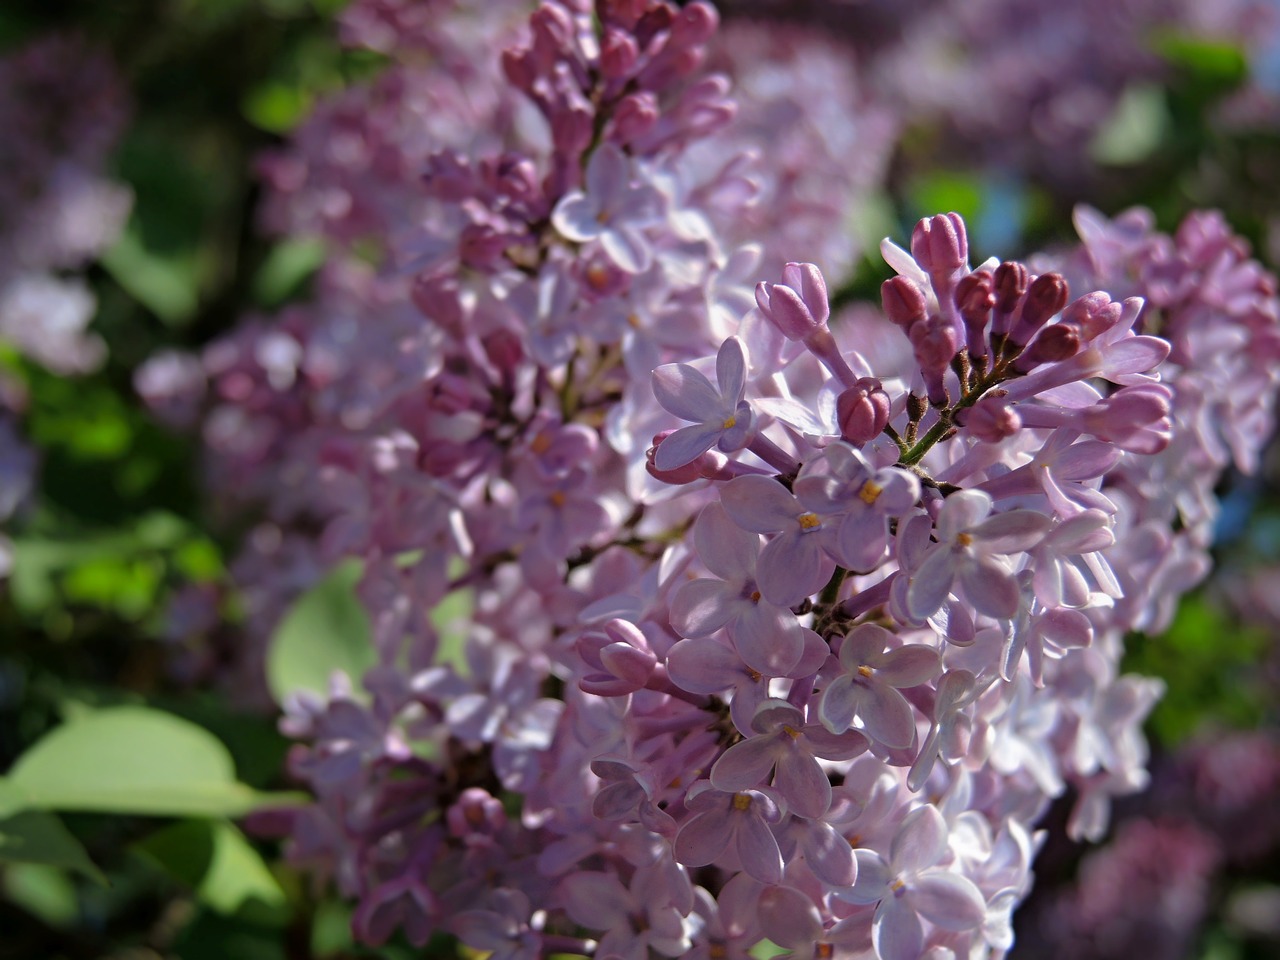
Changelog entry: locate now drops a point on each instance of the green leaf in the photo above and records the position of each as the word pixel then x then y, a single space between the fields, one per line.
pixel 327 630
pixel 287 267
pixel 167 284
pixel 1135 129
pixel 215 860
pixel 276 107
pixel 131 760
pixel 43 891
pixel 37 837
pixel 1210 60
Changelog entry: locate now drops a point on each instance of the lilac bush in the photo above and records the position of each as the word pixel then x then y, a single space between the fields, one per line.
pixel 785 625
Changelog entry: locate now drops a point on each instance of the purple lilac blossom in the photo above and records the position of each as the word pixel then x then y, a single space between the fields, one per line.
pixel 473 417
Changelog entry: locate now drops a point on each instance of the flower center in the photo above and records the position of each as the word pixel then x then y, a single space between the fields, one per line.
pixel 541 444
pixel 897 885
pixel 557 498
pixel 633 321
pixel 791 731
pixel 964 539
pixel 808 521
pixel 824 951
pixel 865 671
pixel 870 492
pixel 597 276
pixel 742 801
pixel 729 422
pixel 755 596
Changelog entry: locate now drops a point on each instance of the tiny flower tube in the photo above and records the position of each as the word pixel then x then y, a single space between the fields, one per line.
pixel 974 298
pixel 1009 283
pixel 935 342
pixel 904 302
pixel 940 244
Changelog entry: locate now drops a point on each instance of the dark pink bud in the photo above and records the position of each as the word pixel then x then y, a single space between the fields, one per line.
pixel 935 342
pixel 863 411
pixel 1046 296
pixel 991 419
pixel 710 464
pixel 634 117
pixel 1058 341
pixel 940 244
pixel 798 306
pixel 505 350
pixel 697 22
pixel 903 301
pixel 1092 314
pixel 1009 283
pixel 618 54
pixel 476 812
pixel 974 299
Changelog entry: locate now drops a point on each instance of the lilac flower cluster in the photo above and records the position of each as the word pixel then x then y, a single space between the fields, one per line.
pixel 782 627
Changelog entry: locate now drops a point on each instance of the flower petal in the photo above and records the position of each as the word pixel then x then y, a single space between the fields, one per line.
pixel 724 548
pixel 701 607
pixel 684 391
pixel 745 764
pixel 948 900
pixel 686 445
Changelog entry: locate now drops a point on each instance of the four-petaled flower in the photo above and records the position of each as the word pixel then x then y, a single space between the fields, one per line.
pixel 720 416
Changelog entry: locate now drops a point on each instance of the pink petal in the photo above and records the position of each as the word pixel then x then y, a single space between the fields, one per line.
pixel 920 842
pixel 731 369
pixel 724 548
pixel 768 638
pixel 792 567
pixel 701 607
pixel 745 764
pixel 686 445
pixel 909 665
pixel 757 503
pixel 928 589
pixel 700 841
pixel 991 588
pixel 896 931
pixel 886 715
pixel 802 783
pixel 948 900
pixel 758 850
pixel 684 391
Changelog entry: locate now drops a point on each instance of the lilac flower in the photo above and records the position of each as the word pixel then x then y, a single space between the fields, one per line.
pixel 766 636
pixel 867 498
pixel 611 209
pixel 635 919
pixel 868 689
pixel 910 885
pixel 738 821
pixel 785 744
pixel 721 417
pixel 797 561
pixel 968 543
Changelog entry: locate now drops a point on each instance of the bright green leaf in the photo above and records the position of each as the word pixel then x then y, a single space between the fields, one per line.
pixel 43 891
pixel 36 837
pixel 130 760
pixel 215 860
pixel 276 107
pixel 287 267
pixel 1137 125
pixel 327 630
pixel 166 284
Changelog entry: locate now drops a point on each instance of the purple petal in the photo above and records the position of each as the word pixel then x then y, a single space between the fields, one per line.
pixel 991 588
pixel 1135 355
pixel 873 878
pixel 686 445
pixel 788 917
pixel 947 899
pixel 839 704
pixel 899 491
pixel 908 666
pixel 745 764
pixel 896 931
pixel 596 900
pixel 724 548
pixel 1086 460
pixel 864 645
pixel 575 218
pixel 1012 531
pixel 731 370
pixel 701 840
pixel 862 539
pixel 792 566
pixel 928 589
pixel 701 607
pixel 757 503
pixel 886 715
pixel 768 638
pixel 803 784
pixel 608 174
pixel 829 855
pixel 920 842
pixel 684 391
pixel 757 849
pixel 627 247
pixel 703 666
pixel 962 511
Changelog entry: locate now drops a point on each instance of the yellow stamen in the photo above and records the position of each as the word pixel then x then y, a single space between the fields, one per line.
pixel 557 498
pixel 791 732
pixel 755 596
pixel 865 671
pixel 742 801
pixel 824 951
pixel 808 521
pixel 541 444
pixel 870 492
pixel 964 539
pixel 897 885
pixel 729 422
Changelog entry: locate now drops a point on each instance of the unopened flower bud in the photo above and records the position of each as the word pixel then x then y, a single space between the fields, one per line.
pixel 903 301
pixel 940 244
pixel 1046 296
pixel 798 306
pixel 1058 341
pixel 635 115
pixel 935 342
pixel 974 299
pixel 863 411
pixel 991 419
pixel 505 350
pixel 709 464
pixel 1009 283
pixel 1092 314
pixel 618 54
